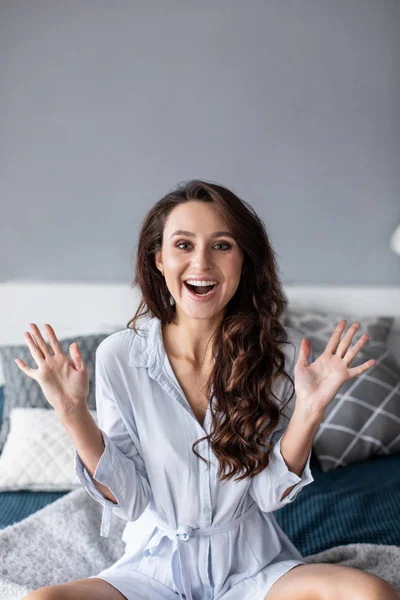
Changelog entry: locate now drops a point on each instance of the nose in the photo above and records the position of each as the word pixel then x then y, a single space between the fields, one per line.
pixel 202 259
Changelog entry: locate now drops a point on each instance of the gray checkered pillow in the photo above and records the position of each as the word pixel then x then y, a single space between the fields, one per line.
pixel 23 391
pixel 363 419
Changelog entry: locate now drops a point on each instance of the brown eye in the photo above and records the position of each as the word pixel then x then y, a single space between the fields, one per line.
pixel 180 244
pixel 227 246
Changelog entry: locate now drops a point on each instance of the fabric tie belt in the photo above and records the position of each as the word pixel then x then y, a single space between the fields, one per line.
pixel 180 536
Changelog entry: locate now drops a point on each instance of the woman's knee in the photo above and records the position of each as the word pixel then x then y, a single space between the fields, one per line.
pixel 94 588
pixel 373 587
pixel 330 582
pixel 50 592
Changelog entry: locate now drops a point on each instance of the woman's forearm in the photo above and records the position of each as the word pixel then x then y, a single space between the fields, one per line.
pixel 296 443
pixel 88 441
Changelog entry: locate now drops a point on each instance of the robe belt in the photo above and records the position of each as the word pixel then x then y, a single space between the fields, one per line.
pixel 106 518
pixel 180 536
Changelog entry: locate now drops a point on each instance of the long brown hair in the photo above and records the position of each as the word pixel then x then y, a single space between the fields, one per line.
pixel 246 345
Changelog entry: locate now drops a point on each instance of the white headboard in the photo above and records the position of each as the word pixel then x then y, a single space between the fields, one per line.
pixel 73 309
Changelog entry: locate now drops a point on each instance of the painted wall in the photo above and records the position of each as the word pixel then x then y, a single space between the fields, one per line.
pixel 106 106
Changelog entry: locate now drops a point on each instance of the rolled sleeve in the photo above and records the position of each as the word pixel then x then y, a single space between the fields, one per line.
pixel 286 478
pixel 106 473
pixel 121 467
pixel 268 487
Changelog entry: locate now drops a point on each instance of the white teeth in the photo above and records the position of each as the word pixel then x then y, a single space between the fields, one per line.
pixel 200 283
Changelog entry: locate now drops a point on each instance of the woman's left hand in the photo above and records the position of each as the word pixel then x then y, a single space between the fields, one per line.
pixel 317 384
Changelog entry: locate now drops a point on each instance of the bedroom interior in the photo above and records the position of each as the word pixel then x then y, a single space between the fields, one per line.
pixel 344 516
pixel 105 107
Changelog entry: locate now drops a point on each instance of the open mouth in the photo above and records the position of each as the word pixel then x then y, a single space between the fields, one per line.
pixel 200 290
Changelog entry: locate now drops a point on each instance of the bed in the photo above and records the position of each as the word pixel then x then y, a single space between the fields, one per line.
pixel 353 501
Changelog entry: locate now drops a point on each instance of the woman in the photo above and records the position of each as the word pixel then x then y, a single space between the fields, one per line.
pixel 200 521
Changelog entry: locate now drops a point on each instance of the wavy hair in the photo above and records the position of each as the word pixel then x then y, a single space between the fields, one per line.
pixel 248 358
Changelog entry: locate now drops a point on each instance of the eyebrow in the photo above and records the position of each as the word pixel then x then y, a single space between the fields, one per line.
pixel 190 234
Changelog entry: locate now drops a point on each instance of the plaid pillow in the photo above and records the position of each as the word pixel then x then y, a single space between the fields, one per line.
pixel 363 419
pixel 23 391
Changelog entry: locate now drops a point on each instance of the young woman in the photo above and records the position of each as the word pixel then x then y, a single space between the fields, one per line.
pixel 213 367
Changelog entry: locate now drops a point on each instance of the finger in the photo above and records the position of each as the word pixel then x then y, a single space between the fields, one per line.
pixel 345 343
pixel 361 368
pixel 335 337
pixel 76 356
pixel 40 342
pixel 352 353
pixel 24 367
pixel 305 348
pixel 35 351
pixel 53 341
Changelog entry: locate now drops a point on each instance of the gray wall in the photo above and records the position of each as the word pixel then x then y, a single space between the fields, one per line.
pixel 106 106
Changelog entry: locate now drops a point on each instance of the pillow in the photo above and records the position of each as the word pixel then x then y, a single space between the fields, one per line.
pixel 363 420
pixel 321 324
pixel 38 454
pixel 23 391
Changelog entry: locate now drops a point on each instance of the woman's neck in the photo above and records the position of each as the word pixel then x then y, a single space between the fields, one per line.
pixel 186 345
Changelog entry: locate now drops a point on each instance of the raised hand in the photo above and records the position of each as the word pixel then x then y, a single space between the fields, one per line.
pixel 317 384
pixel 64 381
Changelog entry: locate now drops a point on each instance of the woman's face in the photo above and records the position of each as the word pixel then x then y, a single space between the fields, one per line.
pixel 199 254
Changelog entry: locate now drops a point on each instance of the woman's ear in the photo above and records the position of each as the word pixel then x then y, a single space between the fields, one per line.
pixel 158 261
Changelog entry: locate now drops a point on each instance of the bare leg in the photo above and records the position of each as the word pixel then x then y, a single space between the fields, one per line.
pixel 79 589
pixel 323 581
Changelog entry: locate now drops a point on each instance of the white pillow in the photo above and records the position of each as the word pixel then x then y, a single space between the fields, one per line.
pixel 38 454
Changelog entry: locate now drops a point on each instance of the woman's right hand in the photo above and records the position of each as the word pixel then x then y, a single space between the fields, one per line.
pixel 64 382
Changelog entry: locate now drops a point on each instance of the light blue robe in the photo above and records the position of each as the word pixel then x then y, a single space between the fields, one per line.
pixel 187 532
